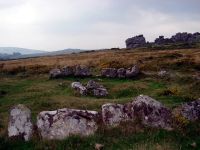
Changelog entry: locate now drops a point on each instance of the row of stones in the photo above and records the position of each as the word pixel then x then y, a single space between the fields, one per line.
pixel 84 71
pixel 62 123
pixel 78 70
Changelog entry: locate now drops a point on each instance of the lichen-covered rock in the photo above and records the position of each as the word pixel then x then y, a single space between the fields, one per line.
pixel 67 71
pixel 151 112
pixel 100 92
pixel 190 110
pixel 93 85
pixel 137 41
pixel 20 122
pixel 55 73
pixel 121 73
pixel 109 72
pixel 113 114
pixel 96 89
pixel 62 123
pixel 82 71
pixel 132 72
pixel 79 87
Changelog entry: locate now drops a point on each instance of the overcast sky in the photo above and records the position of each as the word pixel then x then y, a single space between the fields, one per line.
pixel 92 24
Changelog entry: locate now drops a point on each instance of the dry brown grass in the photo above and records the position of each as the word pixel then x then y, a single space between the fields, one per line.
pixel 147 59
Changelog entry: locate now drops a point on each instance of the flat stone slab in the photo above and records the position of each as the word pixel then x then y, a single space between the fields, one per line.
pixel 62 123
pixel 20 124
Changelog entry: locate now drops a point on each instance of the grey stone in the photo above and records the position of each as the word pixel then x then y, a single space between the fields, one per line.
pixel 113 114
pixel 93 85
pixel 62 123
pixel 109 72
pixel 20 124
pixel 82 71
pixel 96 89
pixel 100 92
pixel 132 72
pixel 67 71
pixel 152 113
pixel 55 73
pixel 121 73
pixel 79 87
pixel 190 110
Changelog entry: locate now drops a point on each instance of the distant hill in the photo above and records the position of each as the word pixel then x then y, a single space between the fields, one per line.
pixel 23 51
pixel 7 53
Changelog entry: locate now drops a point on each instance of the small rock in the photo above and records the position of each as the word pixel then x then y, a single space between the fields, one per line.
pixel 92 85
pixel 121 73
pixel 82 71
pixel 67 71
pixel 79 87
pixel 62 123
pixel 99 146
pixel 100 92
pixel 96 89
pixel 163 73
pixel 20 122
pixel 55 73
pixel 194 144
pixel 190 110
pixel 109 72
pixel 132 72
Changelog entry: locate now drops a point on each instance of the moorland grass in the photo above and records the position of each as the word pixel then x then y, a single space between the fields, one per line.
pixel 26 82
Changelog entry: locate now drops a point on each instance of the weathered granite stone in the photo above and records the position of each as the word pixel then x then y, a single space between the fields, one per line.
pixel 62 123
pixel 82 71
pixel 96 89
pixel 151 112
pixel 100 92
pixel 190 110
pixel 67 71
pixel 55 73
pixel 113 114
pixel 121 73
pixel 109 72
pixel 20 122
pixel 137 41
pixel 93 85
pixel 79 87
pixel 132 72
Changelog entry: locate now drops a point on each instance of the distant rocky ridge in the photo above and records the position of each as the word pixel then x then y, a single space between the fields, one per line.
pixel 184 37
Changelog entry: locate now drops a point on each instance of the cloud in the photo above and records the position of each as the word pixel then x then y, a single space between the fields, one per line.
pixel 92 24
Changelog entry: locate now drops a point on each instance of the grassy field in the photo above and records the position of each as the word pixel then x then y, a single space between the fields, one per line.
pixel 26 81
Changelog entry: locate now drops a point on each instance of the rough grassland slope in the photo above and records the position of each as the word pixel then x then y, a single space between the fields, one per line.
pixel 26 81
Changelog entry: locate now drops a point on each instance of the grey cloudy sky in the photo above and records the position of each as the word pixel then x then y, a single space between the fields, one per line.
pixel 92 24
